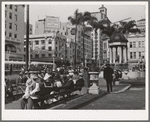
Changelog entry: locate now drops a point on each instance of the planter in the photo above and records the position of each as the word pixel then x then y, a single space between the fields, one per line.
pixel 94 78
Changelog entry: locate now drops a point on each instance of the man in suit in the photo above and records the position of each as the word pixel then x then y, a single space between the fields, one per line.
pixel 108 76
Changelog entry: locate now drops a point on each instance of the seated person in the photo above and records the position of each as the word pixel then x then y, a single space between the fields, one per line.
pixel 29 98
pixel 80 81
pixel 69 84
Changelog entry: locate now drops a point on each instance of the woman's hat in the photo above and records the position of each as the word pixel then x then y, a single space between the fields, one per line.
pixel 46 76
pixel 29 82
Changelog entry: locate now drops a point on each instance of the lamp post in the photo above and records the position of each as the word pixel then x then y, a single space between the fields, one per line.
pixel 53 62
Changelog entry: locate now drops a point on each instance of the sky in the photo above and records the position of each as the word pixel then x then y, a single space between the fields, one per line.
pixel 115 10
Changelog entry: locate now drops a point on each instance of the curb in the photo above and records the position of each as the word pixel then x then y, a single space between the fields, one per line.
pixel 123 90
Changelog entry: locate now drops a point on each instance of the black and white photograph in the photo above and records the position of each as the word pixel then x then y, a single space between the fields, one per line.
pixel 74 60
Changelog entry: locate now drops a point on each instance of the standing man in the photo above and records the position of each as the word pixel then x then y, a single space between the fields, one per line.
pixel 108 76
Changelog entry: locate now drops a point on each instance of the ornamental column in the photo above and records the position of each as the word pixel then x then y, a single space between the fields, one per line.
pixel 120 54
pixel 110 51
pixel 114 54
pixel 125 54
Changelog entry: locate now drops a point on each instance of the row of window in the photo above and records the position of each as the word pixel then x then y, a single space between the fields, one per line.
pixel 133 55
pixel 136 44
pixel 12 6
pixel 11 35
pixel 11 26
pixel 11 15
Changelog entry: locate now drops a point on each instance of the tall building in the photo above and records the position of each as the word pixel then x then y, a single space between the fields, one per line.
pixel 96 37
pixel 14 32
pixel 47 25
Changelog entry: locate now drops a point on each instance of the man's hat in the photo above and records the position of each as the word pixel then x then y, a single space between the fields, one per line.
pixel 29 82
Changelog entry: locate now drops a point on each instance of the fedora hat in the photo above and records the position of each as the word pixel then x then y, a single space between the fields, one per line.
pixel 29 82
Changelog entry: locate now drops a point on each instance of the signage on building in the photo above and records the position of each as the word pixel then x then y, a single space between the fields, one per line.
pixel 51 22
pixel 73 31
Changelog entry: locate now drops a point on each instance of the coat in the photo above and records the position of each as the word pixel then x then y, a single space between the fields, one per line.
pixel 108 74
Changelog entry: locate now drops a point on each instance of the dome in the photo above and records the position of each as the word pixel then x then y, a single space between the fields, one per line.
pixel 118 37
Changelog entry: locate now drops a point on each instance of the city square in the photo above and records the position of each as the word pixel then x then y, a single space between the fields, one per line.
pixel 75 57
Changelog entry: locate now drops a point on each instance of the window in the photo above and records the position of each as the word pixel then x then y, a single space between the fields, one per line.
pixel 36 42
pixel 24 43
pixel 5 24
pixel 142 43
pixel 10 6
pixel 50 48
pixel 15 7
pixel 105 45
pixel 10 25
pixel 50 55
pixel 10 15
pixel 31 56
pixel 130 55
pixel 36 55
pixel 50 41
pixel 130 44
pixel 134 55
pixel 10 35
pixel 24 49
pixel 5 5
pixel 134 44
pixel 43 47
pixel 16 17
pixel 5 33
pixel 139 43
pixel 139 54
pixel 15 36
pixel 43 41
pixel 43 55
pixel 15 27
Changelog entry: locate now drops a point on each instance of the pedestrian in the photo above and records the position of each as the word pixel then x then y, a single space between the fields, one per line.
pixel 29 98
pixel 108 76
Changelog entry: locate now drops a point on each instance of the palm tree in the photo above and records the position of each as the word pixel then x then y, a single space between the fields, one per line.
pixel 75 20
pixel 80 19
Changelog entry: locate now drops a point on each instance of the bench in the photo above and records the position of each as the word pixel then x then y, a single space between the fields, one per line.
pixel 58 92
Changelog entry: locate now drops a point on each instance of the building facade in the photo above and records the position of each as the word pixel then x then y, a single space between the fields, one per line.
pixel 96 37
pixel 14 32
pixel 135 47
pixel 43 47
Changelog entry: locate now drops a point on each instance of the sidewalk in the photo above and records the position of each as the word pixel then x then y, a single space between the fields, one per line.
pixel 87 98
pixel 82 99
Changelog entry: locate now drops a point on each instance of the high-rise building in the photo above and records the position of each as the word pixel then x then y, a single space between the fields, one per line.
pixel 14 32
pixel 96 37
pixel 47 25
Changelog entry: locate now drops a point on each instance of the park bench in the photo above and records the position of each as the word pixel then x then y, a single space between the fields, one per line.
pixel 58 92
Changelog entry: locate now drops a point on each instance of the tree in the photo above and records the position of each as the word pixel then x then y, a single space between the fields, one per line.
pixel 75 20
pixel 82 19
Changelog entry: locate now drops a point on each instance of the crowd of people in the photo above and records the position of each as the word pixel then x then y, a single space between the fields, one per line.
pixel 47 78
pixel 38 79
